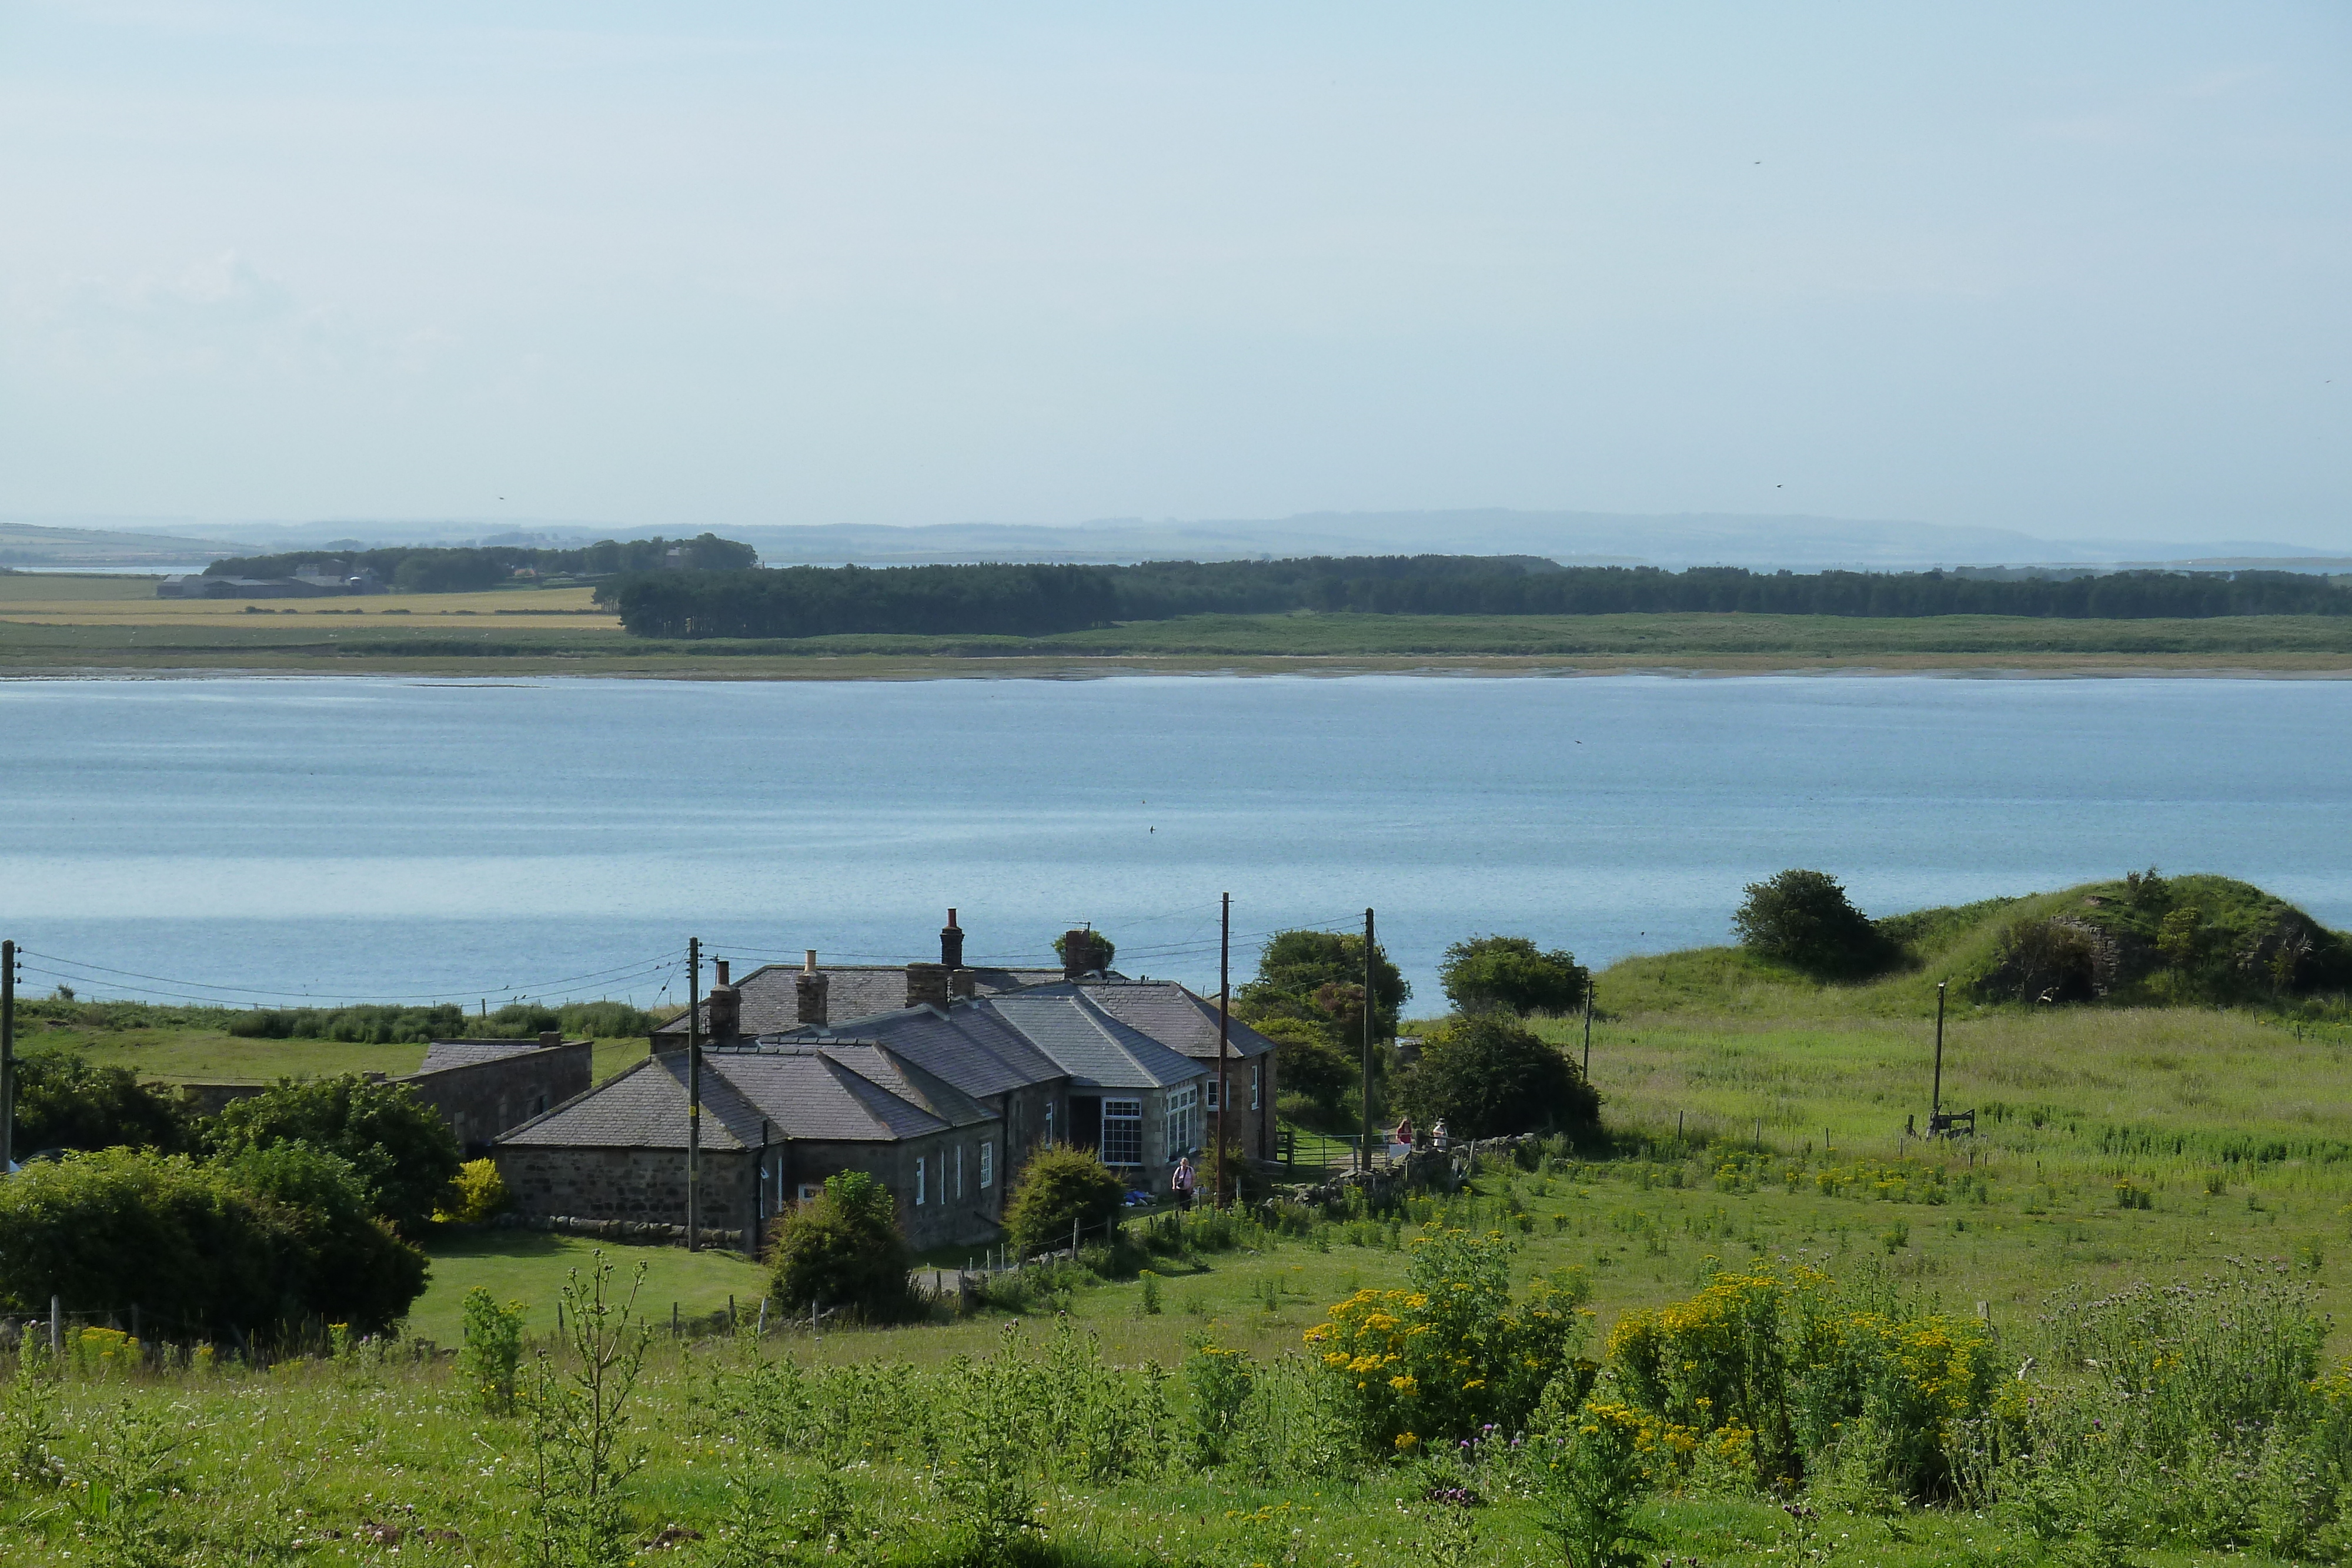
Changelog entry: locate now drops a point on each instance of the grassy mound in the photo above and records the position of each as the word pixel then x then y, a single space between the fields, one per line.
pixel 2144 940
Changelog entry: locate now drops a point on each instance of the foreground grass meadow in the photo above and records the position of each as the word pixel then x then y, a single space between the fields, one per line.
pixel 2114 1146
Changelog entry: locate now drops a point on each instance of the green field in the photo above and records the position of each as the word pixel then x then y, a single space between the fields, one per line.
pixel 529 1266
pixel 1755 1119
pixel 214 1056
pixel 102 624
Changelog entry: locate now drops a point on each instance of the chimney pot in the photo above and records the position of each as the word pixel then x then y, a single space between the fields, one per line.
pixel 722 971
pixel 951 944
pixel 808 965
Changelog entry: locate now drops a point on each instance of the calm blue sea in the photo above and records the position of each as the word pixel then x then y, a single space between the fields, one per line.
pixel 267 839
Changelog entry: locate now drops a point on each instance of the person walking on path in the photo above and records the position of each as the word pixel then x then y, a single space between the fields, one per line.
pixel 1402 1137
pixel 1180 1183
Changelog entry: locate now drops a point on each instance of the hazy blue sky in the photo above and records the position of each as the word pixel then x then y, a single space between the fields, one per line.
pixel 2081 269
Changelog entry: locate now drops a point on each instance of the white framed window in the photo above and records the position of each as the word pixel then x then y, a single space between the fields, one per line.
pixel 811 1191
pixel 1255 1068
pixel 1122 1131
pixel 1213 1091
pixel 1183 1120
pixel 1049 1121
pixel 921 1170
pixel 987 1165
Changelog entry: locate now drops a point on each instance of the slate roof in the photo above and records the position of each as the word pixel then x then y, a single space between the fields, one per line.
pixel 1170 1014
pixel 772 1005
pixel 1097 1049
pixel 969 1046
pixel 447 1053
pixel 836 1091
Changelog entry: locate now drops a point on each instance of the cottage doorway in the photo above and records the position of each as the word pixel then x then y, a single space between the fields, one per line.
pixel 1086 1122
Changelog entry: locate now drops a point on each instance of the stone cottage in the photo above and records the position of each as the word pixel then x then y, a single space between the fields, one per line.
pixel 776 1122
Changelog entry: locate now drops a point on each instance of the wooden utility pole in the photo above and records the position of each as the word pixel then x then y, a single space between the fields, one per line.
pixel 7 1057
pixel 1371 1007
pixel 1224 1024
pixel 693 1093
pixel 1936 1097
pixel 1588 1028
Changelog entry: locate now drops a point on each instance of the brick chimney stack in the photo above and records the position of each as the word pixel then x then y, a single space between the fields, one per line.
pixel 808 991
pixel 725 1014
pixel 549 1037
pixel 926 986
pixel 951 943
pixel 1080 956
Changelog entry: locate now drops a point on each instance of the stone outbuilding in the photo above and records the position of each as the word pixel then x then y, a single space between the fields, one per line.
pixel 776 1122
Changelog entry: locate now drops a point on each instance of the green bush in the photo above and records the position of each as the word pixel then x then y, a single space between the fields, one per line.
pixel 1803 919
pixel 63 1102
pixel 479 1192
pixel 1487 1076
pixel 1060 1187
pixel 1775 1366
pixel 1508 972
pixel 373 1025
pixel 405 1154
pixel 845 1249
pixel 491 1352
pixel 1452 1351
pixel 274 1238
pixel 352 1267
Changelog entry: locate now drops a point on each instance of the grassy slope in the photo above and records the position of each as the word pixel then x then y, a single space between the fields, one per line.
pixel 97 623
pixel 1830 1071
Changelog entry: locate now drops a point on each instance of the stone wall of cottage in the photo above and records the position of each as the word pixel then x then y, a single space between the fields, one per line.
pixel 646 1185
pixel 1253 1129
pixel 483 1098
pixel 649 1184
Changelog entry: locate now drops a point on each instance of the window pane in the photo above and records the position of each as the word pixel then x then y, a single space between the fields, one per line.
pixel 1122 1131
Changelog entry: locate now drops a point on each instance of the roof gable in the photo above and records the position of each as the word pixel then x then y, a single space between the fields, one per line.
pixel 1094 1047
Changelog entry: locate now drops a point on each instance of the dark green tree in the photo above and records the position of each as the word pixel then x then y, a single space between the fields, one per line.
pixel 1487 1076
pixel 1311 1066
pixel 1508 973
pixel 842 1248
pixel 1318 977
pixel 406 1156
pixel 1058 1187
pixel 63 1102
pixel 1803 919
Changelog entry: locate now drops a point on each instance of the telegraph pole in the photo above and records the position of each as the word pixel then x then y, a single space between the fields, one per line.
pixel 1588 1028
pixel 1224 1025
pixel 7 1056
pixel 1936 1102
pixel 693 1093
pixel 1371 1007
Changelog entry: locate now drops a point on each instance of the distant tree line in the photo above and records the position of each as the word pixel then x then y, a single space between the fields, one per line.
pixel 420 569
pixel 1035 600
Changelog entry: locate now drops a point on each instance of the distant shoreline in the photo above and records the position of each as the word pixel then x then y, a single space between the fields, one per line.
pixel 877 668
